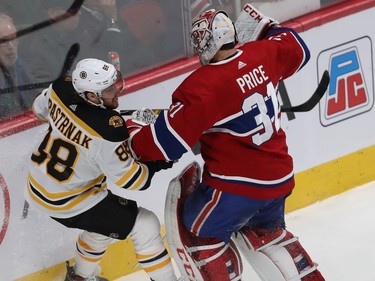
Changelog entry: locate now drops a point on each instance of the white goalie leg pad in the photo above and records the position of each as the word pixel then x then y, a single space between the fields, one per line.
pixel 262 265
pixel 251 25
pixel 184 262
pixel 277 255
pixel 199 259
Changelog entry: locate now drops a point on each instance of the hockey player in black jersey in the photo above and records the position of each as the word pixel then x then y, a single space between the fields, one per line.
pixel 84 146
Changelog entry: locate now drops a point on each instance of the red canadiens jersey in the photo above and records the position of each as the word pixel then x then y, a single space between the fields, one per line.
pixel 231 107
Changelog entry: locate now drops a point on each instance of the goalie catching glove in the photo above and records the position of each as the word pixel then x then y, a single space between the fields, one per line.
pixel 252 25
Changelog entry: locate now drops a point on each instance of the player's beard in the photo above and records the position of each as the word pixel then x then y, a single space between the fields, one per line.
pixel 111 103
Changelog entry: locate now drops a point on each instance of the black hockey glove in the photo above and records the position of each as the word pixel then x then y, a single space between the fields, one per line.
pixel 153 167
pixel 157 165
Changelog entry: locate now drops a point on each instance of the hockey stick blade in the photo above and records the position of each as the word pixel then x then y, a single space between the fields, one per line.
pixel 314 99
pixel 69 59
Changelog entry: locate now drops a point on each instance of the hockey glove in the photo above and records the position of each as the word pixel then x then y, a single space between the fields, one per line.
pixel 140 118
pixel 153 167
pixel 144 116
pixel 157 165
pixel 252 25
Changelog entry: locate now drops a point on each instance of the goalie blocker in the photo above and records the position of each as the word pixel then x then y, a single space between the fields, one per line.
pixel 275 256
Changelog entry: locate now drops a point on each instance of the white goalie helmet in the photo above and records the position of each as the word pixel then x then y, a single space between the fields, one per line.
pixel 93 75
pixel 210 31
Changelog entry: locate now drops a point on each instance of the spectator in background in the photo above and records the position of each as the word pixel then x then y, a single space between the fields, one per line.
pixel 48 47
pixel 99 19
pixel 45 50
pixel 22 12
pixel 12 74
pixel 103 10
pixel 198 6
pixel 152 31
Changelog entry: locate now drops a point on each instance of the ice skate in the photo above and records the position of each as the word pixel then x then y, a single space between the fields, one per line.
pixel 71 276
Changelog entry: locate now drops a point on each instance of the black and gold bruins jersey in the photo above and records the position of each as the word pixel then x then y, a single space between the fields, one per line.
pixel 83 147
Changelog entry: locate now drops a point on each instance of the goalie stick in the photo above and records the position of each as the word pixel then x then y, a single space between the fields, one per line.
pixel 304 107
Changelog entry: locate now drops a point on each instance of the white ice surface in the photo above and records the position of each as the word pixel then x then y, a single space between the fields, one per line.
pixel 338 233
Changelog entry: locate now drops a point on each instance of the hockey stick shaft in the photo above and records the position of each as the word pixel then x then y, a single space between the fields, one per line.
pixel 128 112
pixel 70 12
pixel 304 107
pixel 71 55
pixel 314 99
